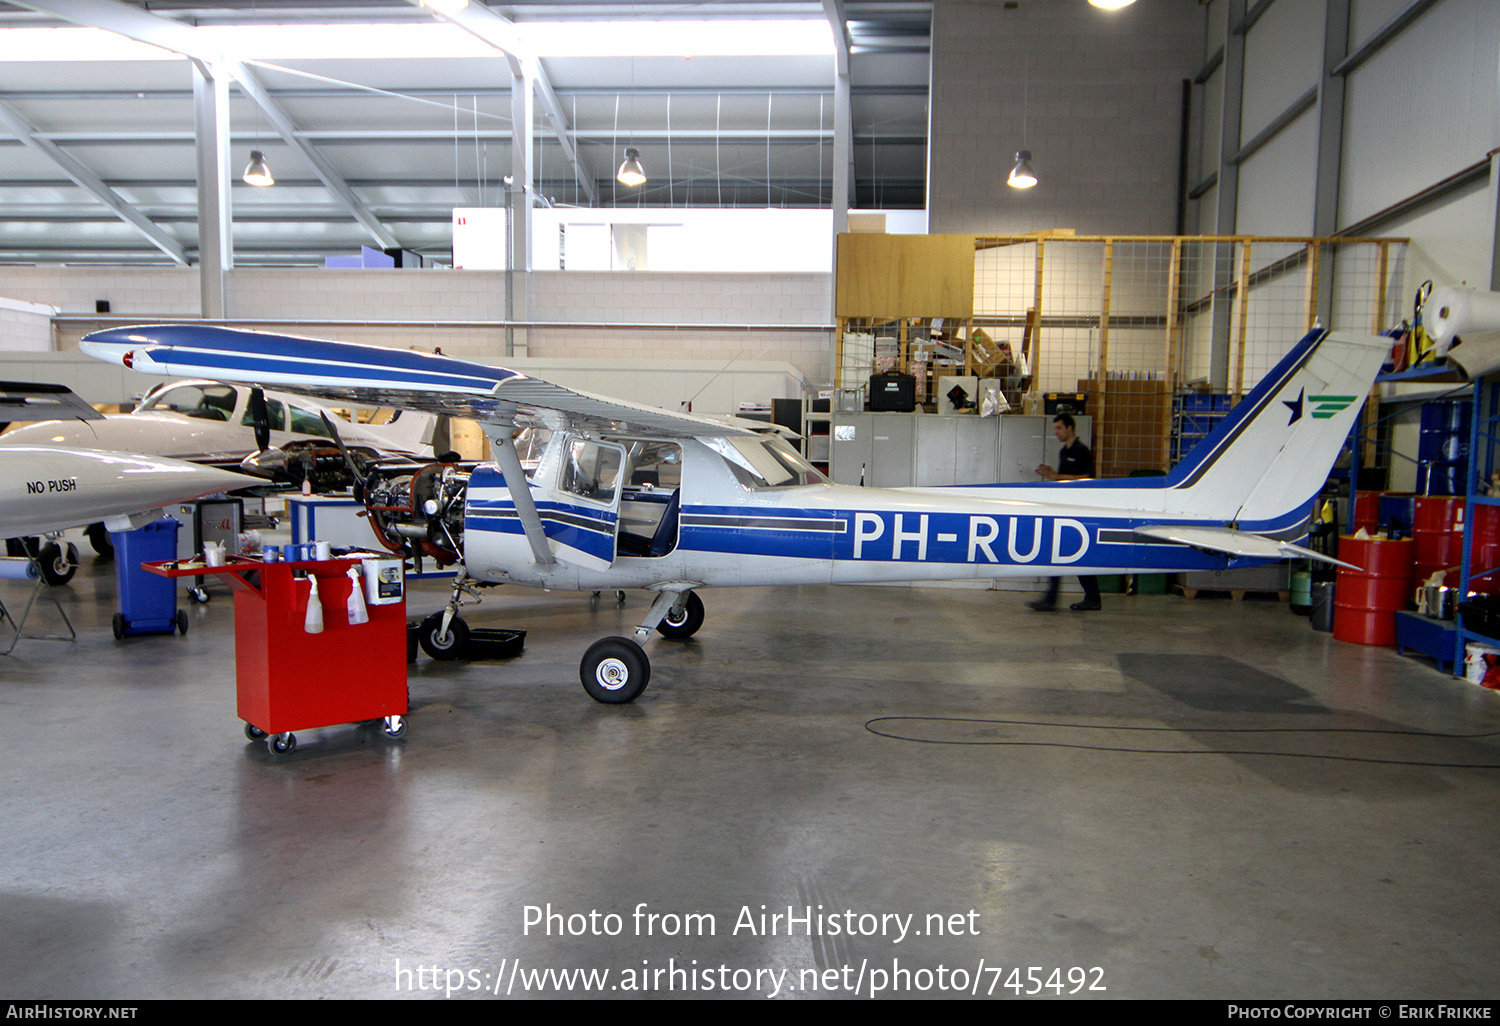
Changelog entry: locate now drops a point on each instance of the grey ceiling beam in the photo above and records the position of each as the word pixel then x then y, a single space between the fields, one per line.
pixel 134 23
pixel 439 135
pixel 490 28
pixel 126 20
pixel 327 174
pixel 427 92
pixel 552 108
pixel 86 179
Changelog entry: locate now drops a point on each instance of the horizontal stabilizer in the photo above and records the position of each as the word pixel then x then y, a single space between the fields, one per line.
pixel 31 401
pixel 1236 543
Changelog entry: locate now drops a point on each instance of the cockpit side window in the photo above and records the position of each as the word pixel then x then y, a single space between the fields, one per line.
pixel 203 402
pixel 275 413
pixel 591 471
pixel 307 422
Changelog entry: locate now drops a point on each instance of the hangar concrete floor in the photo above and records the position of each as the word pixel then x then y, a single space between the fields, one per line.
pixel 150 851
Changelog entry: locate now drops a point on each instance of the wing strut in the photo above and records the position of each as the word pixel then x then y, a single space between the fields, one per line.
pixel 520 491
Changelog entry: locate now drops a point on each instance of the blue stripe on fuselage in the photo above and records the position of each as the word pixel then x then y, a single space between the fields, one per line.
pixel 488 507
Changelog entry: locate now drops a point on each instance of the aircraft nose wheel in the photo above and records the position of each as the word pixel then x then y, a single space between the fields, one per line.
pixel 443 646
pixel 614 671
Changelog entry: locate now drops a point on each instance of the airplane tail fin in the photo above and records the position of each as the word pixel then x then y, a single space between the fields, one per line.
pixel 1267 460
pixel 409 430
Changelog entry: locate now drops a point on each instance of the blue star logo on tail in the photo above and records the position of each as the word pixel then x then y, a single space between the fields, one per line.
pixel 1295 405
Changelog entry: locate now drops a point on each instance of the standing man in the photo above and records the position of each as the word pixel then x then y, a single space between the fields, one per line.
pixel 1074 463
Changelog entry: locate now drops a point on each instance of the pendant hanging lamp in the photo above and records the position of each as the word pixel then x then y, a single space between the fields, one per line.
pixel 631 172
pixel 257 172
pixel 1021 176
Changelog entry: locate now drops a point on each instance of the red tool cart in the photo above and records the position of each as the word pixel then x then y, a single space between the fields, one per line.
pixel 289 680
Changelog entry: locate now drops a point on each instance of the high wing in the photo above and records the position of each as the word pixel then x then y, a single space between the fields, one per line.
pixel 403 378
pixel 377 375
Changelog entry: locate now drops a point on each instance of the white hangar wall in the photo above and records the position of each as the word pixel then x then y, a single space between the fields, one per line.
pixel 1409 143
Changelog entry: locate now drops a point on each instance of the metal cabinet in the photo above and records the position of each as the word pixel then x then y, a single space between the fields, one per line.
pixel 899 450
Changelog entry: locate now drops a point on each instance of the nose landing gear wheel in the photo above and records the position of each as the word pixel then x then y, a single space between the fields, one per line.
pixel 683 623
pixel 443 646
pixel 58 562
pixel 614 670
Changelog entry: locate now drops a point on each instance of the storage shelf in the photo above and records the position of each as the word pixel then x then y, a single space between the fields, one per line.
pixel 1428 373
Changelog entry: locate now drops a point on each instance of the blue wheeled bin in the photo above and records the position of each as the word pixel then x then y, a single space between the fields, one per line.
pixel 147 602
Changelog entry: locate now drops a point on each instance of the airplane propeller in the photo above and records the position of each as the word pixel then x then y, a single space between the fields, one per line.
pixel 260 419
pixel 354 472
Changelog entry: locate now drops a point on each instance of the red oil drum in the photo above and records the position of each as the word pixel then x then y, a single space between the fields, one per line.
pixel 1486 551
pixel 1437 530
pixel 1365 602
pixel 1366 512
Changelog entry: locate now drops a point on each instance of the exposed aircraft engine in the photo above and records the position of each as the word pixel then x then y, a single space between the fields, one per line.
pixel 417 509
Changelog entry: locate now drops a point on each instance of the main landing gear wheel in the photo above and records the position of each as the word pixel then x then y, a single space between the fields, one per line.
pixel 443 646
pixel 683 623
pixel 281 744
pixel 614 671
pixel 99 538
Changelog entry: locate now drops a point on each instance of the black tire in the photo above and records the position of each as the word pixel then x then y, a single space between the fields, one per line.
pixel 396 732
pixel 182 621
pixel 99 538
pixel 439 646
pixel 119 625
pixel 614 671
pixel 282 744
pixel 254 733
pixel 53 560
pixel 686 623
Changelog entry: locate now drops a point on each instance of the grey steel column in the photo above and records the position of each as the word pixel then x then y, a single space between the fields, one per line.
pixel 1495 222
pixel 1233 70
pixel 518 263
pixel 215 228
pixel 1330 147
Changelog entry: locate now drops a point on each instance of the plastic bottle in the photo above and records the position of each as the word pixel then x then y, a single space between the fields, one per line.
pixel 357 612
pixel 314 622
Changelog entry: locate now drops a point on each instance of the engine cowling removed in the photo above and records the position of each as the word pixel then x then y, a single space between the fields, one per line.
pixel 417 509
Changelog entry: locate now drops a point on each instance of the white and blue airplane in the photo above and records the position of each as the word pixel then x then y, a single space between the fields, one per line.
pixel 628 496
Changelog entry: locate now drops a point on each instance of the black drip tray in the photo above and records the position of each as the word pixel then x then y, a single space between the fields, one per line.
pixel 483 643
pixel 494 643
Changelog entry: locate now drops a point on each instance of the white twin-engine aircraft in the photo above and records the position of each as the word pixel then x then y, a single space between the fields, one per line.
pixel 627 496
